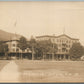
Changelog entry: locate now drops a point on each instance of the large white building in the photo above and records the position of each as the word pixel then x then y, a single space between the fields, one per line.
pixel 64 43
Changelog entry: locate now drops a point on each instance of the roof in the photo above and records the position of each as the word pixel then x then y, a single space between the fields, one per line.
pixel 10 41
pixel 45 36
pixel 56 36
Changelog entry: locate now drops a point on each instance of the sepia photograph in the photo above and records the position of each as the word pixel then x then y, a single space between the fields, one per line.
pixel 42 42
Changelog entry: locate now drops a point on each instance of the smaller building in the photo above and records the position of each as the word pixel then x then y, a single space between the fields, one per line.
pixel 15 51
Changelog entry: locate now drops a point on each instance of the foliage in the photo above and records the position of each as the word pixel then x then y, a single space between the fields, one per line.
pixel 3 47
pixel 47 46
pixel 22 43
pixel 41 48
pixel 76 51
pixel 32 43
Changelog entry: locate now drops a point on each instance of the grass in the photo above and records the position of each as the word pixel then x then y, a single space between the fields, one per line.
pixel 51 71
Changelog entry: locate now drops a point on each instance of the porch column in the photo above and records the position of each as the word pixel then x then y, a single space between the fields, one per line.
pixel 56 57
pixel 48 56
pixel 43 56
pixel 21 55
pixel 52 56
pixel 32 56
pixel 60 57
pixel 64 56
pixel 32 53
pixel 68 57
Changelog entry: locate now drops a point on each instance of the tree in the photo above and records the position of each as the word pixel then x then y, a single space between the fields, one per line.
pixel 32 45
pixel 46 46
pixel 22 44
pixel 76 51
pixel 41 48
pixel 53 49
pixel 4 48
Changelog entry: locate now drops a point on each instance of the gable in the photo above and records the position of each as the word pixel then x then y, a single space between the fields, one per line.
pixel 65 37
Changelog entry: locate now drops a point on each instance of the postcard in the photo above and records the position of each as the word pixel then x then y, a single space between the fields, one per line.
pixel 41 42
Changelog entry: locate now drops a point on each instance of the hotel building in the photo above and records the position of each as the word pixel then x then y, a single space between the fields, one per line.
pixel 64 43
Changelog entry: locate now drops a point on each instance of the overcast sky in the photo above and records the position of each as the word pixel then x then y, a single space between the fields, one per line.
pixel 43 18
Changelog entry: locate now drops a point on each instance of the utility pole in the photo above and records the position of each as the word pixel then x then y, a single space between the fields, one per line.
pixel 32 42
pixel 16 43
pixel 15 38
pixel 4 52
pixel 32 53
pixel 53 52
pixel 10 47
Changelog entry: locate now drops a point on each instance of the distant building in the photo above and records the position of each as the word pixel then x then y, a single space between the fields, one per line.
pixel 63 42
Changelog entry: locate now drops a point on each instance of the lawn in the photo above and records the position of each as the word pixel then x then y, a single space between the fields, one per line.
pixel 3 63
pixel 51 71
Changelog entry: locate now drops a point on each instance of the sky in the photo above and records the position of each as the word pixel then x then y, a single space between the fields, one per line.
pixel 43 18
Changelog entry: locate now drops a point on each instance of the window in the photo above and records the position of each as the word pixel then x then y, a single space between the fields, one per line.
pixel 69 46
pixel 13 45
pixel 57 40
pixel 13 50
pixel 66 50
pixel 66 41
pixel 75 41
pixel 59 45
pixel 63 49
pixel 62 41
pixel 66 45
pixel 17 49
pixel 69 41
pixel 53 40
pixel 59 50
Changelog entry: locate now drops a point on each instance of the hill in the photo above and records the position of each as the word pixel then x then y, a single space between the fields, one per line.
pixel 4 36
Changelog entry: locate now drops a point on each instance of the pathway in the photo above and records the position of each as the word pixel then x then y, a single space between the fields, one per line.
pixel 10 73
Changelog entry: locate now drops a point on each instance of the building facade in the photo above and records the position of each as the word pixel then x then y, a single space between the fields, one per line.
pixel 14 50
pixel 64 43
